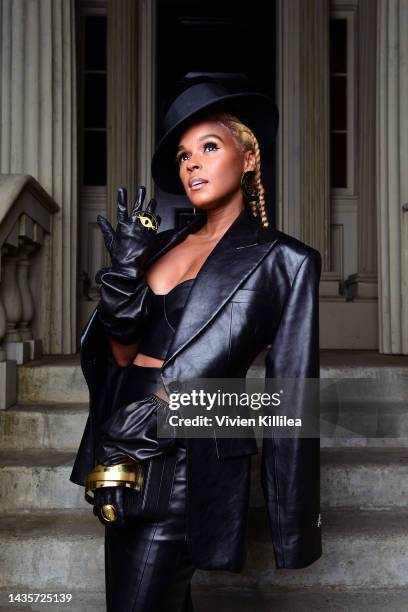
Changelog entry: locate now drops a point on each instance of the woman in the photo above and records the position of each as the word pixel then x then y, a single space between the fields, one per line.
pixel 232 285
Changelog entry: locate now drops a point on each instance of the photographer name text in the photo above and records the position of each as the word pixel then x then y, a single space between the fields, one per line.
pixel 225 421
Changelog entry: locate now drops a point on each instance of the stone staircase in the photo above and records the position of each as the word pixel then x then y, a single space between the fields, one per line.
pixel 52 543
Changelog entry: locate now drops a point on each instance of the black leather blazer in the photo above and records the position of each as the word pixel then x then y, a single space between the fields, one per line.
pixel 257 288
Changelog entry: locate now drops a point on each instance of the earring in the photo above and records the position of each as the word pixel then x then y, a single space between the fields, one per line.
pixel 251 196
pixel 246 180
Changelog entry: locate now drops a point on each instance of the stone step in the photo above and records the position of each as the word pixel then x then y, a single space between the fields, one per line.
pixel 59 378
pixel 382 423
pixel 367 479
pixel 52 426
pixel 32 480
pixel 61 549
pixel 238 599
pixel 372 479
pixel 59 425
pixel 225 599
pixel 54 378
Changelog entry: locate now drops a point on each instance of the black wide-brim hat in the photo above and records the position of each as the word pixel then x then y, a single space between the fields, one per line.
pixel 256 110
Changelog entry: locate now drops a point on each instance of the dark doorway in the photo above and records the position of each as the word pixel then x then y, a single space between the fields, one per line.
pixel 228 37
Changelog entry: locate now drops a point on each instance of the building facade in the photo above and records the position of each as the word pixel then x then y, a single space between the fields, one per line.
pixel 81 88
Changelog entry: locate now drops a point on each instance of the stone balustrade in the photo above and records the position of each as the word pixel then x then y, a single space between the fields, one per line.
pixel 25 261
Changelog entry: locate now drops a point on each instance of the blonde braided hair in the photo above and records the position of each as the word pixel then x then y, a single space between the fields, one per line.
pixel 246 140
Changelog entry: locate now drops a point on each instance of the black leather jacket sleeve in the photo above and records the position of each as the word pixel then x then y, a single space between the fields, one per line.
pixel 124 305
pixel 132 432
pixel 125 295
pixel 288 463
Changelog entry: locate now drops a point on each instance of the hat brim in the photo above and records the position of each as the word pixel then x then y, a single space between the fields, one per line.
pixel 255 110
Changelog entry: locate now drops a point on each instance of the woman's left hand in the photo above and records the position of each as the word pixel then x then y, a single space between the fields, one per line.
pixel 131 431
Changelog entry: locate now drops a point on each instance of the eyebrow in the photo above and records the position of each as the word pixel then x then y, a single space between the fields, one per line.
pixel 202 138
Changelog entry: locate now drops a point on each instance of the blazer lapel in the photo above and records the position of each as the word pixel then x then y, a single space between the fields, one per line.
pixel 233 259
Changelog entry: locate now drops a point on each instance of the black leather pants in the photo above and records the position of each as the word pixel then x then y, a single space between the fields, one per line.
pixel 147 567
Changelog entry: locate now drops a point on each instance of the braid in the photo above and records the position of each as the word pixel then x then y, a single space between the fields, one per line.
pixel 259 186
pixel 247 141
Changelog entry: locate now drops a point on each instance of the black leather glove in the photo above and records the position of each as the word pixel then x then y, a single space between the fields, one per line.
pixel 123 501
pixel 124 292
pixel 131 431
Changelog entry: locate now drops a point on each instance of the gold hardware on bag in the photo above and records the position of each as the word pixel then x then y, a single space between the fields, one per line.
pixel 109 513
pixel 128 474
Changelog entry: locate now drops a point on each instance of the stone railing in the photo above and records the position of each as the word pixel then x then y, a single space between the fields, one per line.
pixel 25 259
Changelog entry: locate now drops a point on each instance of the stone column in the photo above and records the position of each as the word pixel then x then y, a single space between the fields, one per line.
pixel 23 278
pixel 363 284
pixel 146 94
pixel 314 71
pixel 11 296
pixel 303 135
pixel 288 97
pixel 16 348
pixel 122 110
pixel 38 135
pixel 131 104
pixel 8 368
pixel 392 174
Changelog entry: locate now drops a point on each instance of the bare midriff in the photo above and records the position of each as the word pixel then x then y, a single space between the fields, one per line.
pixel 148 362
pixel 125 355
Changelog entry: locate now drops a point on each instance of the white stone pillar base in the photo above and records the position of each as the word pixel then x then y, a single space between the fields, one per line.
pixel 8 384
pixel 18 351
pixel 36 348
pixel 348 325
pixel 362 286
pixel 330 285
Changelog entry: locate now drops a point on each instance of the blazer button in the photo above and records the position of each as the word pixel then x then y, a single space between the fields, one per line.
pixel 175 386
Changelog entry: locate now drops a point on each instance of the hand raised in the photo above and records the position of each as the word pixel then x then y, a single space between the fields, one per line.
pixel 129 245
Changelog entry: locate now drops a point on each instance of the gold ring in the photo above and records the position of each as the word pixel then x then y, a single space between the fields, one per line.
pixel 109 513
pixel 148 220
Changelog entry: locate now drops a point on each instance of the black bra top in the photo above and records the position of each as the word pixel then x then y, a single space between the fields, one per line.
pixel 164 315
